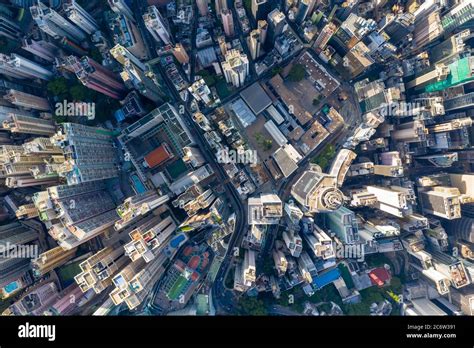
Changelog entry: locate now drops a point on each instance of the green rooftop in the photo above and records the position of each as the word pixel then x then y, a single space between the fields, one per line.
pixel 460 72
pixel 176 169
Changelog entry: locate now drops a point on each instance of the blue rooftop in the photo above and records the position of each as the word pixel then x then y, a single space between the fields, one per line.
pixel 326 278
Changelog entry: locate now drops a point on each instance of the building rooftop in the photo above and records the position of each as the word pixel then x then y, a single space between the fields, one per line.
pixel 256 98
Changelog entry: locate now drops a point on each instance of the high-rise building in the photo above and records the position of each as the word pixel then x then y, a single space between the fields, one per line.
pixel 255 44
pixel 220 5
pixel 193 156
pixel 459 16
pixel 410 132
pixel 8 27
pixel 98 270
pixel 428 27
pixel 77 15
pixel 398 27
pixel 264 210
pixel 121 7
pixel 459 103
pixel 306 267
pixel 86 210
pixel 35 301
pixel 156 25
pixel 29 125
pixel 317 192
pixel 276 25
pixel 148 240
pixel 441 201
pixel 195 177
pixel 343 223
pixel 65 305
pixel 137 206
pixel 261 9
pixel 180 54
pixel 21 68
pixel 248 267
pixel 12 235
pixel 90 153
pixel 126 34
pixel 262 26
pixel 133 283
pixel 51 259
pixel 228 22
pixel 42 47
pixel 136 75
pixel 33 163
pixel 394 200
pixel 304 8
pixel 203 7
pixel 122 55
pixel 320 244
pixel 293 243
pixel 27 101
pixel 95 76
pixel 236 67
pixel 281 263
pixel 53 24
pixel 324 36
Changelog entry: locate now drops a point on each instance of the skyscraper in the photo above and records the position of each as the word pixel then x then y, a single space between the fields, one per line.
pixel 317 192
pixel 236 67
pixel 303 10
pixel 203 7
pixel 77 15
pixel 324 36
pixel 156 25
pixel 261 9
pixel 11 235
pixel 52 23
pixel 138 205
pixel 180 54
pixel 8 27
pixel 276 25
pixel 228 22
pixel 459 16
pixel 29 125
pixel 19 67
pixel 27 101
pixel 126 34
pixel 121 7
pixel 97 270
pixel 51 259
pixel 343 223
pixel 89 151
pixel 220 5
pixel 75 214
pixel 255 44
pixel 136 75
pixel 95 76
pixel 41 47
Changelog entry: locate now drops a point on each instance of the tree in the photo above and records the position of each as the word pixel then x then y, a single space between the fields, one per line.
pixel 325 158
pixel 297 73
pixel 267 144
pixel 251 306
pixel 95 54
pixel 58 88
pixel 78 93
pixel 277 70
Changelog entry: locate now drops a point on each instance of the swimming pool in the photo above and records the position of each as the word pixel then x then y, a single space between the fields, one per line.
pixel 137 184
pixel 13 286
